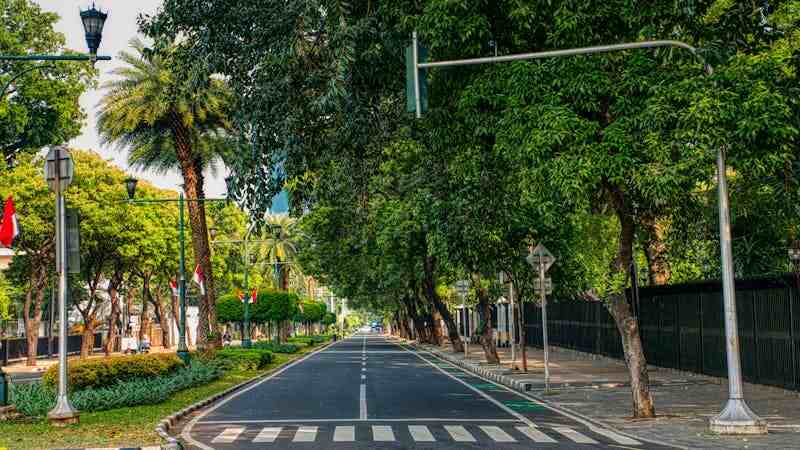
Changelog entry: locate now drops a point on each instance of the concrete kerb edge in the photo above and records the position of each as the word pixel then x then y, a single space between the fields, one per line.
pixel 510 383
pixel 164 426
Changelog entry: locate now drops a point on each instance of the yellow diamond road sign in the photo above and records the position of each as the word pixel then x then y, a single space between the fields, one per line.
pixel 541 254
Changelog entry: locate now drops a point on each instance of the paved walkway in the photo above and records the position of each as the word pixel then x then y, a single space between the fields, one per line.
pixel 598 387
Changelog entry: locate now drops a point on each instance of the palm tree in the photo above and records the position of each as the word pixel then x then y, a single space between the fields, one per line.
pixel 169 120
pixel 280 247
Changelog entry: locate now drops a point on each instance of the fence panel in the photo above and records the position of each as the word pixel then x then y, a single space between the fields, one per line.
pixel 682 326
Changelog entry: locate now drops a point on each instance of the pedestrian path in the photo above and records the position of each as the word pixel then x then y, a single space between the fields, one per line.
pixel 428 433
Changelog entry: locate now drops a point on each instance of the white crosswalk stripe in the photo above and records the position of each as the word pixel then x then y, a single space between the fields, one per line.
pixel 382 433
pixel 305 434
pixel 459 433
pixel 421 433
pixel 344 434
pixel 574 435
pixel 268 434
pixel 535 435
pixel 228 435
pixel 497 434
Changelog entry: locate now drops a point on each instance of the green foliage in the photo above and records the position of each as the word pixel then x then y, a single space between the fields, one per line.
pixel 312 311
pixel 40 107
pixel 309 340
pixel 230 309
pixel 328 319
pixel 97 373
pixel 275 347
pixel 243 358
pixel 35 400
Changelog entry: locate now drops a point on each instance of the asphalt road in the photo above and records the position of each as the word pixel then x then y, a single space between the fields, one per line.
pixel 370 392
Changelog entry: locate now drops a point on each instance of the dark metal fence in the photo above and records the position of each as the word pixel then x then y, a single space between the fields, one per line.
pixel 14 349
pixel 682 327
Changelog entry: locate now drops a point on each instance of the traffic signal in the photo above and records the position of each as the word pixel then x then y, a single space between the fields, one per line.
pixel 411 82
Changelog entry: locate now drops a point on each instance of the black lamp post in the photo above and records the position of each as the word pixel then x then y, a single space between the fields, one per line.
pixel 93 22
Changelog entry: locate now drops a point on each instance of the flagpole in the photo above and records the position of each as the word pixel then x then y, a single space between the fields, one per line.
pixel 183 350
pixel 246 331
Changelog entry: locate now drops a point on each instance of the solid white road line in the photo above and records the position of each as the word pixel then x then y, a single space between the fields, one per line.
pixel 344 434
pixel 268 434
pixel 497 434
pixel 228 435
pixel 363 377
pixel 535 435
pixel 505 408
pixel 421 433
pixel 362 413
pixel 305 434
pixel 459 433
pixel 574 435
pixel 620 439
pixel 382 433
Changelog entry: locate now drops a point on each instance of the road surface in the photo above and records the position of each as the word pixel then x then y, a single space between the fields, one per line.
pixel 372 392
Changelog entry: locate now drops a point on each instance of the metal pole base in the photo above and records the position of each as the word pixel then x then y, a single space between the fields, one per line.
pixel 63 414
pixel 737 418
pixel 184 356
pixel 247 343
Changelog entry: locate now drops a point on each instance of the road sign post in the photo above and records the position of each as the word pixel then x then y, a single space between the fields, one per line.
pixel 541 259
pixel 462 287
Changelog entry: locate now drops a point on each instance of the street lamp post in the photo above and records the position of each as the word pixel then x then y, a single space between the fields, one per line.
pixel 59 172
pixel 130 186
pixel 736 417
pixel 245 243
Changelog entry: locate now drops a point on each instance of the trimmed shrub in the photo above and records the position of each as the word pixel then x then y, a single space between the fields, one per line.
pixel 35 400
pixel 309 340
pixel 98 373
pixel 243 358
pixel 275 347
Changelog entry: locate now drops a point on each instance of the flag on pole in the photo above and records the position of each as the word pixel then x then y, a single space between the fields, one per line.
pixel 174 286
pixel 241 296
pixel 199 279
pixel 253 295
pixel 9 229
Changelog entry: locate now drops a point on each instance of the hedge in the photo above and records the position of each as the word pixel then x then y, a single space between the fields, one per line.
pixel 244 358
pixel 309 340
pixel 103 372
pixel 35 400
pixel 275 347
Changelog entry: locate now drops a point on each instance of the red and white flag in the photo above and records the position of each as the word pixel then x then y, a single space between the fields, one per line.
pixel 9 229
pixel 253 296
pixel 174 286
pixel 199 279
pixel 249 299
pixel 241 296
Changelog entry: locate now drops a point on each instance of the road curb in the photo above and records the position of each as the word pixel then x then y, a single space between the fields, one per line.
pixel 524 389
pixel 163 427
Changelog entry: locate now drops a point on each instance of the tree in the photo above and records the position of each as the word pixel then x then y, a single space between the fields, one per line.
pixel 169 120
pixel 280 248
pixel 34 258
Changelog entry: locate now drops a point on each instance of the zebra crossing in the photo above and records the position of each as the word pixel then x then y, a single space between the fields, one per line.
pixel 463 433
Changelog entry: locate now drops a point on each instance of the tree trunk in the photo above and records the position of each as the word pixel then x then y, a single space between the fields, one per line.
pixel 166 338
pixel 87 339
pixel 486 331
pixel 628 325
pixel 113 330
pixel 144 319
pixel 429 285
pixel 656 251
pixel 191 169
pixel 34 298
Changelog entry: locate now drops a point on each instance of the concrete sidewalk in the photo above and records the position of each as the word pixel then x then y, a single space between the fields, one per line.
pixel 597 387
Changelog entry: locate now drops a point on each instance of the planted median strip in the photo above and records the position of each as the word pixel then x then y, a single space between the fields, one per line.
pixel 109 425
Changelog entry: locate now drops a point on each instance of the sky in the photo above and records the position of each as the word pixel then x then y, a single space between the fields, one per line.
pixel 120 28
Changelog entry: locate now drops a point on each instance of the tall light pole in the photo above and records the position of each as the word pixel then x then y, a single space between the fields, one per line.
pixel 246 341
pixel 130 186
pixel 58 172
pixel 736 417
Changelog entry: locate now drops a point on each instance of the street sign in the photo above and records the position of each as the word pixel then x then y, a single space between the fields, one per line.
pixel 411 97
pixel 462 288
pixel 540 253
pixel 548 285
pixel 65 164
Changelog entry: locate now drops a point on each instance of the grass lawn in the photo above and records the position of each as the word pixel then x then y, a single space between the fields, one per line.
pixel 123 426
